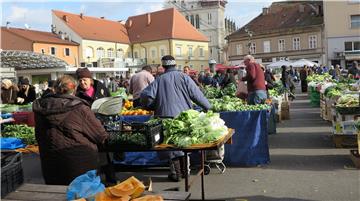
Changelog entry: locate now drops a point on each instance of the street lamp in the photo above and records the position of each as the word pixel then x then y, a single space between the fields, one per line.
pixel 250 34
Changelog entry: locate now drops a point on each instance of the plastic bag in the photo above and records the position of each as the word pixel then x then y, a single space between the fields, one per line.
pixel 10 143
pixel 85 186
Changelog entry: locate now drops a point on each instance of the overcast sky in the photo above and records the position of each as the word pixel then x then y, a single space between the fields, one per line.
pixel 37 13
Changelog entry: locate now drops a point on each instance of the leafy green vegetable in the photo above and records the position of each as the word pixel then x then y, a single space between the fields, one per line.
pixel 21 131
pixel 234 104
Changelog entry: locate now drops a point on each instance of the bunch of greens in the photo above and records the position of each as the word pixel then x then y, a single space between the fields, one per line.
pixel 348 100
pixel 120 92
pixel 212 92
pixel 130 139
pixel 192 127
pixel 234 104
pixel 21 131
pixel 229 90
pixel 319 78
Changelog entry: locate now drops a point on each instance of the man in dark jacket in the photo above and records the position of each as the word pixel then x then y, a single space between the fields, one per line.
pixel 90 89
pixel 169 95
pixel 67 133
pixel 255 81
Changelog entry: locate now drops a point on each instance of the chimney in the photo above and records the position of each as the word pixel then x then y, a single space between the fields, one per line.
pixel 148 17
pixel 301 8
pixel 128 24
pixel 65 18
pixel 81 15
pixel 265 11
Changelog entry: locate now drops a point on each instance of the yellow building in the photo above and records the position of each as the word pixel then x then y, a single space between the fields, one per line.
pixel 156 34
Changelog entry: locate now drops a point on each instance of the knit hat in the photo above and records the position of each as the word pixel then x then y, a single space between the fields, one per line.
pixel 168 61
pixel 83 73
pixel 6 82
pixel 24 81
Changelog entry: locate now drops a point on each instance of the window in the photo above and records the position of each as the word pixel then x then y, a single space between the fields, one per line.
pixel 136 55
pixel 178 51
pixel 119 53
pixel 100 52
pixel 281 45
pixel 209 18
pixel 89 52
pixel 110 53
pixel 67 51
pixel 355 21
pixel 42 51
pixel 190 51
pixel 266 46
pixel 129 54
pixel 197 22
pixel 296 43
pixel 201 52
pixel 252 48
pixel 52 50
pixel 153 53
pixel 239 49
pixel 312 42
pixel 192 20
pixel 352 46
pixel 162 52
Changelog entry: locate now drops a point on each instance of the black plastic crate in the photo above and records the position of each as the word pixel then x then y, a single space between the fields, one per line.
pixel 348 110
pixel 135 135
pixel 12 175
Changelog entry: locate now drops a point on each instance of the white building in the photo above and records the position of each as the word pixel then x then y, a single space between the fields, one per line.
pixel 208 17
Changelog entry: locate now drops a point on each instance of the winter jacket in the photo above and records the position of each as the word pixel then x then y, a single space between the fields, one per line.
pixel 172 93
pixel 28 96
pixel 67 133
pixel 100 92
pixel 8 96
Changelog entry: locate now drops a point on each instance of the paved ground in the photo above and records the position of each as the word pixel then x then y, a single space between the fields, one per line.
pixel 304 166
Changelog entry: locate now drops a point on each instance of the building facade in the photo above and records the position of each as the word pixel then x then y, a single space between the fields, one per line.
pixel 342 32
pixel 284 31
pixel 208 18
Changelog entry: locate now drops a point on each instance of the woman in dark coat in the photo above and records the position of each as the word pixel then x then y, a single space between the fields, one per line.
pixel 90 89
pixel 27 93
pixel 8 92
pixel 67 133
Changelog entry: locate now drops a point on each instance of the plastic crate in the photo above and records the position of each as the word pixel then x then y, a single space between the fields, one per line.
pixel 348 110
pixel 24 118
pixel 151 134
pixel 12 175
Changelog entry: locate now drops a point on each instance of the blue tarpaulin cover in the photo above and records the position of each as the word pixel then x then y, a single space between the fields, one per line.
pixel 250 141
pixel 11 143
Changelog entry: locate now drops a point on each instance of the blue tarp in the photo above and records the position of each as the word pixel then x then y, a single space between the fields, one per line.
pixel 11 143
pixel 250 141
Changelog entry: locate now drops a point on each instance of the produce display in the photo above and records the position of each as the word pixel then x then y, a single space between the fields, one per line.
pixel 128 109
pixel 348 100
pixel 216 92
pixel 193 127
pixel 120 92
pixel 10 108
pixel 228 103
pixel 319 78
pixel 21 131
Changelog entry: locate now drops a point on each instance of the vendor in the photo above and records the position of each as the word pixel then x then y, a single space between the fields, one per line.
pixel 8 92
pixel 27 93
pixel 169 95
pixel 90 89
pixel 67 133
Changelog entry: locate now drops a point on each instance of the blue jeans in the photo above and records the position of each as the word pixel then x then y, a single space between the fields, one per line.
pixel 257 97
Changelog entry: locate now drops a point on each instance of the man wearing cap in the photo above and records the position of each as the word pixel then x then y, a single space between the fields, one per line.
pixel 26 92
pixel 170 94
pixel 89 89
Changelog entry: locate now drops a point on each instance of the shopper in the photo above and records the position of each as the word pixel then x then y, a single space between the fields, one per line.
pixel 67 133
pixel 303 78
pixel 169 95
pixel 193 76
pixel 89 89
pixel 255 81
pixel 27 93
pixel 354 71
pixel 8 92
pixel 139 82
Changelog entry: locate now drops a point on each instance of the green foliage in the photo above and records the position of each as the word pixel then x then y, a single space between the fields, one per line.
pixel 21 131
pixel 234 104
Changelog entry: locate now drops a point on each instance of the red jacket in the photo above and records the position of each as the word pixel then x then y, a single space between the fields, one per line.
pixel 255 77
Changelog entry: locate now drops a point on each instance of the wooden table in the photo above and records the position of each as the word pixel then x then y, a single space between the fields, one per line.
pixel 40 192
pixel 200 148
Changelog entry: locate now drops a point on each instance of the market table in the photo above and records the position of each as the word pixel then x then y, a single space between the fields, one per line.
pixel 37 192
pixel 195 148
pixel 249 146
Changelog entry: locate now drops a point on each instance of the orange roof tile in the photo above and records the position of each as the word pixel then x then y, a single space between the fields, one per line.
pixel 164 24
pixel 93 28
pixel 38 36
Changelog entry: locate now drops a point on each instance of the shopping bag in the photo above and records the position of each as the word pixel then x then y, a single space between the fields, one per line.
pixel 241 90
pixel 85 186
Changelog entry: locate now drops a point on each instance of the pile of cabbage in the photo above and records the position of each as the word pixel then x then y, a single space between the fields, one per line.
pixel 193 127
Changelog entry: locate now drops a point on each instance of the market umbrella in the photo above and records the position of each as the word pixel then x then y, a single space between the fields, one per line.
pixel 278 64
pixel 303 62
